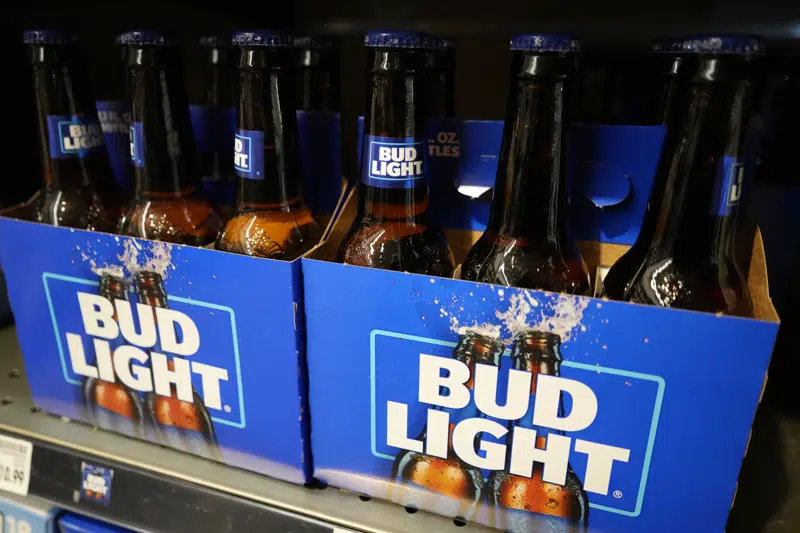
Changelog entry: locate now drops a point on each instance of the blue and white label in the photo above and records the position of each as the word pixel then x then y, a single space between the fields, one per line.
pixel 728 186
pixel 248 154
pixel 115 121
pixel 393 163
pixel 73 136
pixel 137 144
pixel 96 483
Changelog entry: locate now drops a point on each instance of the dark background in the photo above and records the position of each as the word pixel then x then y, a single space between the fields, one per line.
pixel 769 492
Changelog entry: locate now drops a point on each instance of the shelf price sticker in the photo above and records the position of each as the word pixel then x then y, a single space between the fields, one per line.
pixel 15 465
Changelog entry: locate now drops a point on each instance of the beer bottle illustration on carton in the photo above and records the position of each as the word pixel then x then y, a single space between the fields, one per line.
pixel 450 476
pixel 113 406
pixel 562 508
pixel 179 424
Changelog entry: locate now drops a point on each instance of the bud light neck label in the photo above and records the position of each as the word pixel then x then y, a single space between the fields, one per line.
pixel 393 162
pixel 248 154
pixel 73 136
pixel 727 187
pixel 115 121
pixel 137 144
pixel 213 127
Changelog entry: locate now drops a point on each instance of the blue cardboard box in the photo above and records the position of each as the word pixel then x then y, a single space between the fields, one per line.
pixel 218 372
pixel 610 172
pixel 76 523
pixel 26 514
pixel 620 409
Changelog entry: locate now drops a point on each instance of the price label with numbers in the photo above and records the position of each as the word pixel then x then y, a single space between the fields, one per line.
pixel 15 465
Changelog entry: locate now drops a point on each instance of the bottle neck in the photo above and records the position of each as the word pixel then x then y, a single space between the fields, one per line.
pixel 267 159
pixel 69 132
pixel 441 88
pixel 530 194
pixel 701 167
pixel 162 144
pixel 537 366
pixel 393 182
pixel 470 410
pixel 220 78
pixel 317 80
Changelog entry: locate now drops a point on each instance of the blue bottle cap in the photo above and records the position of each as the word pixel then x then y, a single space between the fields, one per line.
pixel 143 38
pixel 723 44
pixel 670 45
pixel 265 38
pixel 47 37
pixel 314 42
pixel 214 41
pixel 396 39
pixel 544 42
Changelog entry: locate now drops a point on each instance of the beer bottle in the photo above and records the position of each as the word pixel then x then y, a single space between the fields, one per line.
pixel 167 206
pixel 271 219
pixel 565 507
pixel 392 229
pixel 442 87
pixel 318 104
pixel 683 256
pixel 113 406
pixel 183 425
pixel 626 85
pixel 213 114
pixel 525 243
pixel 115 119
pixel 450 475
pixel 78 188
pixel 316 74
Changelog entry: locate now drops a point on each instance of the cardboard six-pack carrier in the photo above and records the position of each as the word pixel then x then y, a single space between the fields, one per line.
pixel 646 401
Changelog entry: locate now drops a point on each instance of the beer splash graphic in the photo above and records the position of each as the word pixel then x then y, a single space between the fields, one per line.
pixel 559 313
pixel 154 257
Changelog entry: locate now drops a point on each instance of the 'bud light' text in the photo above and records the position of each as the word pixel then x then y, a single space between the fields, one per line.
pixel 394 163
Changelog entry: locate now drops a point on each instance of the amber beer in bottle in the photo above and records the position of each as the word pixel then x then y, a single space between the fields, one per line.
pixel 563 508
pixel 78 188
pixel 113 406
pixel 166 206
pixel 449 476
pixel 183 425
pixel 213 114
pixel 271 218
pixel 525 243
pixel 392 229
pixel 683 256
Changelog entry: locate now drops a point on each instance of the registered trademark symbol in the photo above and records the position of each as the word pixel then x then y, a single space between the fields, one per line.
pixel 227 408
pixel 618 494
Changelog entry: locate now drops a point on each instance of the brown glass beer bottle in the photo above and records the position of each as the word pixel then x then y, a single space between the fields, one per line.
pixel 525 243
pixel 167 206
pixel 271 218
pixel 392 229
pixel 78 188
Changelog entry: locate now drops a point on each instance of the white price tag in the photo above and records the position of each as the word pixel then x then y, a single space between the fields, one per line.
pixel 15 465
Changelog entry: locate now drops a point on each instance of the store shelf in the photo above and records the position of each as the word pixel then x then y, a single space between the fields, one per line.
pixel 161 490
